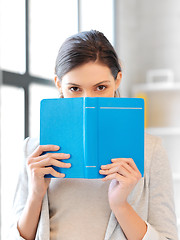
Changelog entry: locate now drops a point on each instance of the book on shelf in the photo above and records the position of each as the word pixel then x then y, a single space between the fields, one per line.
pixel 93 130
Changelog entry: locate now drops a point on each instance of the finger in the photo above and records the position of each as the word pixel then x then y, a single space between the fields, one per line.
pixel 51 161
pixel 129 164
pixel 116 176
pixel 130 161
pixel 63 156
pixel 118 169
pixel 120 164
pixel 44 148
pixel 108 166
pixel 50 170
pixel 126 164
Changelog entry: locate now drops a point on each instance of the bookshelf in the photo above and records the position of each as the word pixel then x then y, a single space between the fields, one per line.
pixel 163 131
pixel 158 87
pixel 162 101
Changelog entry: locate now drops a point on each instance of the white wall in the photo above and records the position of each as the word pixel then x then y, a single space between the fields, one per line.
pixel 148 37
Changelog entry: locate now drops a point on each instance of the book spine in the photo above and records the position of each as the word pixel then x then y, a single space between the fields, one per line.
pixel 91 137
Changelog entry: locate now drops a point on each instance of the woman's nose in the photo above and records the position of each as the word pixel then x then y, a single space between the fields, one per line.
pixel 88 94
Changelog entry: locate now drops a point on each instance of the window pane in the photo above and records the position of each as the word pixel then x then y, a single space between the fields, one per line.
pixel 12 32
pixel 50 23
pixel 12 135
pixel 37 93
pixel 98 15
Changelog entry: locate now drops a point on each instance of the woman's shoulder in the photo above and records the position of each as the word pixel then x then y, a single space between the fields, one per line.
pixel 30 144
pixel 154 149
pixel 151 141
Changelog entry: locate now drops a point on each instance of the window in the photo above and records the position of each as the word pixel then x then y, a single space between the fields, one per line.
pixel 12 32
pixel 98 15
pixel 31 34
pixel 12 135
pixel 37 93
pixel 51 22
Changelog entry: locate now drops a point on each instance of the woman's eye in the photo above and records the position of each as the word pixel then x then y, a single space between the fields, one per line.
pixel 101 87
pixel 74 89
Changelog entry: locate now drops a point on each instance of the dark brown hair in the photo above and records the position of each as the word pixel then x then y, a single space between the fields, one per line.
pixel 84 47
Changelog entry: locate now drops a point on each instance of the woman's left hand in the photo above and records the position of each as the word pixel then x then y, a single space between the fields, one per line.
pixel 124 175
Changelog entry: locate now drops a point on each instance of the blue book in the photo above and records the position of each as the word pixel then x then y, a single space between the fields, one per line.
pixel 93 130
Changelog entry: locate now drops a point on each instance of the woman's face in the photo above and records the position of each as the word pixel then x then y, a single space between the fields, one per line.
pixel 89 80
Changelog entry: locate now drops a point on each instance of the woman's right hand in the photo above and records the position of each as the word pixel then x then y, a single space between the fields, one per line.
pixel 40 165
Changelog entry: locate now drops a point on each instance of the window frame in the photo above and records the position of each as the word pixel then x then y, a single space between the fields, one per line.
pixel 25 80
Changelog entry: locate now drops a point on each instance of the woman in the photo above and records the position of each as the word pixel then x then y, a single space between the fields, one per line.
pixel 122 205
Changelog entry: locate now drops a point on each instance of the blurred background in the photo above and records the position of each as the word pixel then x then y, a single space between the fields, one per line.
pixel 146 37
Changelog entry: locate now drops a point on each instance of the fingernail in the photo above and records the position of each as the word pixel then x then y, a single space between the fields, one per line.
pixel 67 155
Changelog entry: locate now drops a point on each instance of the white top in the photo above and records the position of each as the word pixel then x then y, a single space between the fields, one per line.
pixel 152 198
pixel 78 208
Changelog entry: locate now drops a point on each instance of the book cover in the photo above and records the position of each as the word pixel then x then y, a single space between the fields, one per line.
pixel 93 130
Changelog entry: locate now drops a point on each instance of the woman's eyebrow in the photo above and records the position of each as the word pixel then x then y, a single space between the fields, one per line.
pixel 80 85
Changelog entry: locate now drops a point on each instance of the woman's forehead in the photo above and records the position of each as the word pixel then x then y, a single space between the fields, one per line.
pixel 90 73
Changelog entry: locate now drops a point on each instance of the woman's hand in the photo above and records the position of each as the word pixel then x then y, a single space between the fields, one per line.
pixel 124 175
pixel 40 165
